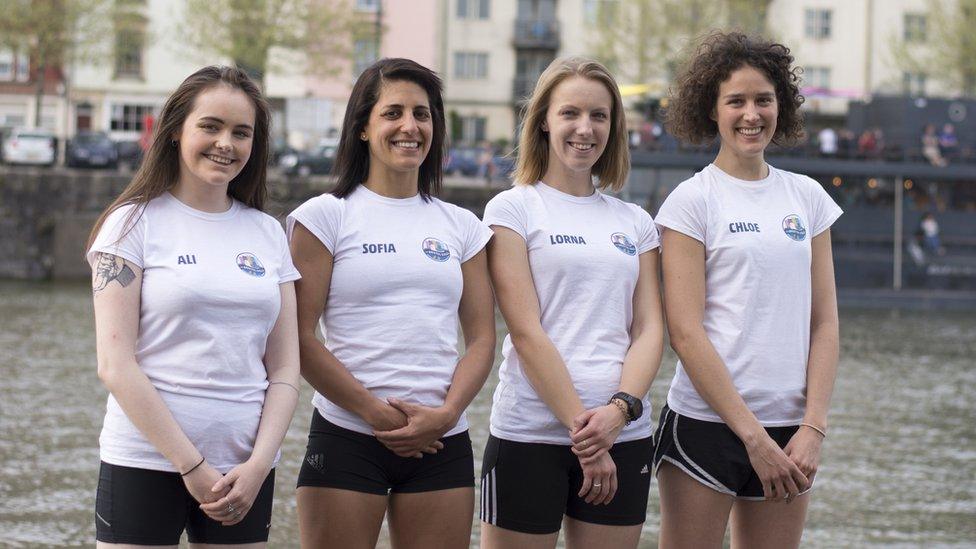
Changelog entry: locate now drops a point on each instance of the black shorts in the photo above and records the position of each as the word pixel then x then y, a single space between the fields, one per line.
pixel 145 507
pixel 528 487
pixel 340 458
pixel 711 453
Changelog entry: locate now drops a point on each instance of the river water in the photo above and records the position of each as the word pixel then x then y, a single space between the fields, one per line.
pixel 899 467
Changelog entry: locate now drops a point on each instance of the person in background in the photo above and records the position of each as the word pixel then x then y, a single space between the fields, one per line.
pixel 576 274
pixel 389 271
pixel 195 327
pixel 751 308
pixel 930 147
pixel 828 142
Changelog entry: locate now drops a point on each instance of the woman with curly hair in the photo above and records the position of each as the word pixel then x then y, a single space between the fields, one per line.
pixel 751 308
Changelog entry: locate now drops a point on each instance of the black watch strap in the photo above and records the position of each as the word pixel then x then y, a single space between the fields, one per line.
pixel 635 408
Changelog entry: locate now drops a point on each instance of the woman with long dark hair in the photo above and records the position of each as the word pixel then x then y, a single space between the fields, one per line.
pixel 195 327
pixel 751 308
pixel 388 272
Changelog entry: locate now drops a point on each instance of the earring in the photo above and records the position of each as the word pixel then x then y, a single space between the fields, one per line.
pixel 174 143
pixel 363 136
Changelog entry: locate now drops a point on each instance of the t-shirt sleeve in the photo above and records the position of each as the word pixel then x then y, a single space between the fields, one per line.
pixel 287 271
pixel 824 211
pixel 476 235
pixel 647 235
pixel 506 210
pixel 123 234
pixel 685 211
pixel 322 216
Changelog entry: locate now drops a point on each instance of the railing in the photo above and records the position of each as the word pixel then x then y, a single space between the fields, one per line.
pixel 536 33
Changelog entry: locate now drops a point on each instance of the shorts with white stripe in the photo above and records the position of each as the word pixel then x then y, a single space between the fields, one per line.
pixel 528 487
pixel 711 453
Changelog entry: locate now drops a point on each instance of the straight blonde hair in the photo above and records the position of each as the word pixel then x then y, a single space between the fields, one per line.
pixel 612 167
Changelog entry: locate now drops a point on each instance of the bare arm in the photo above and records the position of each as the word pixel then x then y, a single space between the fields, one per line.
pixel 684 300
pixel 804 447
pixel 319 366
pixel 477 315
pixel 117 287
pixel 598 428
pixel 281 364
pixel 508 263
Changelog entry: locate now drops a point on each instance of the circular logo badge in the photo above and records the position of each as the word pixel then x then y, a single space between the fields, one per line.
pixel 249 263
pixel 435 249
pixel 793 227
pixel 623 243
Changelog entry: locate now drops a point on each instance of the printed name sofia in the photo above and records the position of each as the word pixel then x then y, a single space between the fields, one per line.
pixel 379 249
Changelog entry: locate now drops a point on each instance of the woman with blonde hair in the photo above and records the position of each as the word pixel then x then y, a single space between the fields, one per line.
pixel 576 275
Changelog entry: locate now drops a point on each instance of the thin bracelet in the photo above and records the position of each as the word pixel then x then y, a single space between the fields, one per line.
pixel 194 467
pixel 815 428
pixel 285 383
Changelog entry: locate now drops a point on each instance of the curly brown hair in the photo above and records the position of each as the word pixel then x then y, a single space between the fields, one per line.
pixel 695 91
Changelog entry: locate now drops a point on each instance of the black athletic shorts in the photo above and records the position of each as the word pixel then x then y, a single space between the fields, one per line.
pixel 711 453
pixel 528 487
pixel 145 507
pixel 340 458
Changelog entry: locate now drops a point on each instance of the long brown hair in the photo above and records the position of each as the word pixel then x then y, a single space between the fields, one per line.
pixel 160 169
pixel 352 157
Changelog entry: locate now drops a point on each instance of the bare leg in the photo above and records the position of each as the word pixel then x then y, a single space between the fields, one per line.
pixel 581 535
pixel 341 519
pixel 441 518
pixel 258 545
pixel 692 515
pixel 103 545
pixel 772 524
pixel 493 537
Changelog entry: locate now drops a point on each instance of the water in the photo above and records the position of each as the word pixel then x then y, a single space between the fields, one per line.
pixel 899 467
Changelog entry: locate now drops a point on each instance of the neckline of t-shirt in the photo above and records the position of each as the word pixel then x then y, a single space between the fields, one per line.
pixel 757 184
pixel 376 197
pixel 235 206
pixel 552 191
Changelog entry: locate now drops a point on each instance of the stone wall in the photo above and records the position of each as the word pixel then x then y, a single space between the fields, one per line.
pixel 46 214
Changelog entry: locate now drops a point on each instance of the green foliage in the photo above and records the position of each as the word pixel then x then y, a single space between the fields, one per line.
pixel 258 35
pixel 948 52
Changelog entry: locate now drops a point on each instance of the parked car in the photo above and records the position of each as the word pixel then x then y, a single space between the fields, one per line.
pixel 462 161
pixel 317 162
pixel 21 146
pixel 129 153
pixel 92 149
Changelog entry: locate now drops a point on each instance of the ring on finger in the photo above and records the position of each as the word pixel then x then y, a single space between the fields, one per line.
pixel 597 484
pixel 230 508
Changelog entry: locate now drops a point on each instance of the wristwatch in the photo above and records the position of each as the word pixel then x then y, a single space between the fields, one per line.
pixel 634 405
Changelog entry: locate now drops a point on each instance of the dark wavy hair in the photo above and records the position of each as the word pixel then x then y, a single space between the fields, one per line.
pixel 695 91
pixel 352 157
pixel 160 169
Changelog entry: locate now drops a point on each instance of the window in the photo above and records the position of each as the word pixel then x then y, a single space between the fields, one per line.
pixel 129 118
pixel 817 24
pixel 913 83
pixel 14 66
pixel 364 55
pixel 472 129
pixel 915 27
pixel 473 9
pixel 128 53
pixel 470 65
pixel 368 5
pixel 817 77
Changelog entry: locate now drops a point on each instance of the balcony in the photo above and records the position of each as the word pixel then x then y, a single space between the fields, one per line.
pixel 536 34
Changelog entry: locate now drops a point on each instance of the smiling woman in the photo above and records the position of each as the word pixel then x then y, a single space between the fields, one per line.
pixel 197 410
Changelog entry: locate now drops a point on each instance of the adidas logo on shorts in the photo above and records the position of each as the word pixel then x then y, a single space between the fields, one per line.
pixel 644 471
pixel 317 461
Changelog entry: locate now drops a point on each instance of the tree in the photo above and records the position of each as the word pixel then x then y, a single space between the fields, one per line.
pixel 946 49
pixel 249 32
pixel 54 33
pixel 643 40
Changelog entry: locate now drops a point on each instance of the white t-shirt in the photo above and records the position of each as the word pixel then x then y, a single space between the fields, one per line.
pixel 392 312
pixel 210 298
pixel 757 284
pixel 583 254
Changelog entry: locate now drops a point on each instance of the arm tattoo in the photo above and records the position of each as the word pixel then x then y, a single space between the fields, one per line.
pixel 111 267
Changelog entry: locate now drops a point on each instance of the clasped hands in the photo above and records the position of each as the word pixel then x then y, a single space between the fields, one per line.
pixel 594 433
